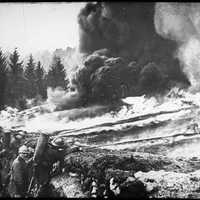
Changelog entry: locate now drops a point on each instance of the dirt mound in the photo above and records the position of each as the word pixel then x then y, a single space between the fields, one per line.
pixel 171 184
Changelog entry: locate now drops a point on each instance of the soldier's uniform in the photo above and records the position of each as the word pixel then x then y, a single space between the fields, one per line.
pixel 2 155
pixel 5 163
pixel 48 162
pixel 19 174
pixel 54 153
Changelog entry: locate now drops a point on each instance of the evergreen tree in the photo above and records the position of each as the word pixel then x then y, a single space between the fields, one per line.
pixel 3 79
pixel 40 81
pixel 56 75
pixel 15 64
pixel 16 81
pixel 30 77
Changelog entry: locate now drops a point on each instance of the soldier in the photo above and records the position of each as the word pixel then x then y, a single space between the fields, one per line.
pixel 6 139
pixel 2 154
pixel 9 153
pixel 19 173
pixel 4 160
pixel 48 160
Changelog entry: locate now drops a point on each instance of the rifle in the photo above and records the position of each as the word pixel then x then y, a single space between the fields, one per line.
pixel 31 181
pixel 30 185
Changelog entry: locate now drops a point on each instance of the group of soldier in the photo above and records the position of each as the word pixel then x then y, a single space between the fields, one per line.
pixel 26 171
pixel 8 151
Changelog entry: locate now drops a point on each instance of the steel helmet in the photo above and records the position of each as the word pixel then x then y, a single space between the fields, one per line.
pixel 21 133
pixel 23 150
pixel 18 136
pixel 58 142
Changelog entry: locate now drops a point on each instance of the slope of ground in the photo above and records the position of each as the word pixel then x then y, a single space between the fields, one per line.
pixel 162 176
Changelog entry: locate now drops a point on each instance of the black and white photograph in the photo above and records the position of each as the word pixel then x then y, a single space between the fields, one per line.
pixel 100 99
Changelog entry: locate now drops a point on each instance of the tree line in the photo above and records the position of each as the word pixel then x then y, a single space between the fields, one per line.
pixel 19 81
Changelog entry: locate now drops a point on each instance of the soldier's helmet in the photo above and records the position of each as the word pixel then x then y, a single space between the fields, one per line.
pixel 58 142
pixel 18 136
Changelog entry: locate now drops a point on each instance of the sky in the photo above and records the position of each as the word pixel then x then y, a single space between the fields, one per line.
pixel 39 26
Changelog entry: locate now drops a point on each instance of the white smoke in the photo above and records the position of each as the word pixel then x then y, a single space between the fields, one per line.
pixel 74 63
pixel 189 53
pixel 173 21
pixel 61 99
pixel 180 22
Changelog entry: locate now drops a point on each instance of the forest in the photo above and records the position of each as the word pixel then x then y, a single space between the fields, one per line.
pixel 19 81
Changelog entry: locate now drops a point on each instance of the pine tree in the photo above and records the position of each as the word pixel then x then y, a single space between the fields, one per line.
pixel 40 81
pixel 16 81
pixel 3 79
pixel 15 65
pixel 56 75
pixel 30 77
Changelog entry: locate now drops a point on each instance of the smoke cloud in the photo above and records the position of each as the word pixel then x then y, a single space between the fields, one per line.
pixel 130 49
pixel 126 52
pixel 181 22
pixel 126 29
pixel 60 99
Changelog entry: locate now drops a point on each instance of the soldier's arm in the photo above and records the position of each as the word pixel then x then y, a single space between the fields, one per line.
pixel 18 178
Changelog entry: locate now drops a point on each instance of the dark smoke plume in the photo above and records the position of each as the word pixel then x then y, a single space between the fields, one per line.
pixel 125 54
pixel 126 29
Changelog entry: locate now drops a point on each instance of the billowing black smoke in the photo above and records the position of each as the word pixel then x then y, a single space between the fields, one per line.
pixel 123 28
pixel 125 55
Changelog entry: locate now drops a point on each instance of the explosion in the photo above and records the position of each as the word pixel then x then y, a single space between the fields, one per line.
pixel 60 99
pixel 124 54
pixel 132 49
